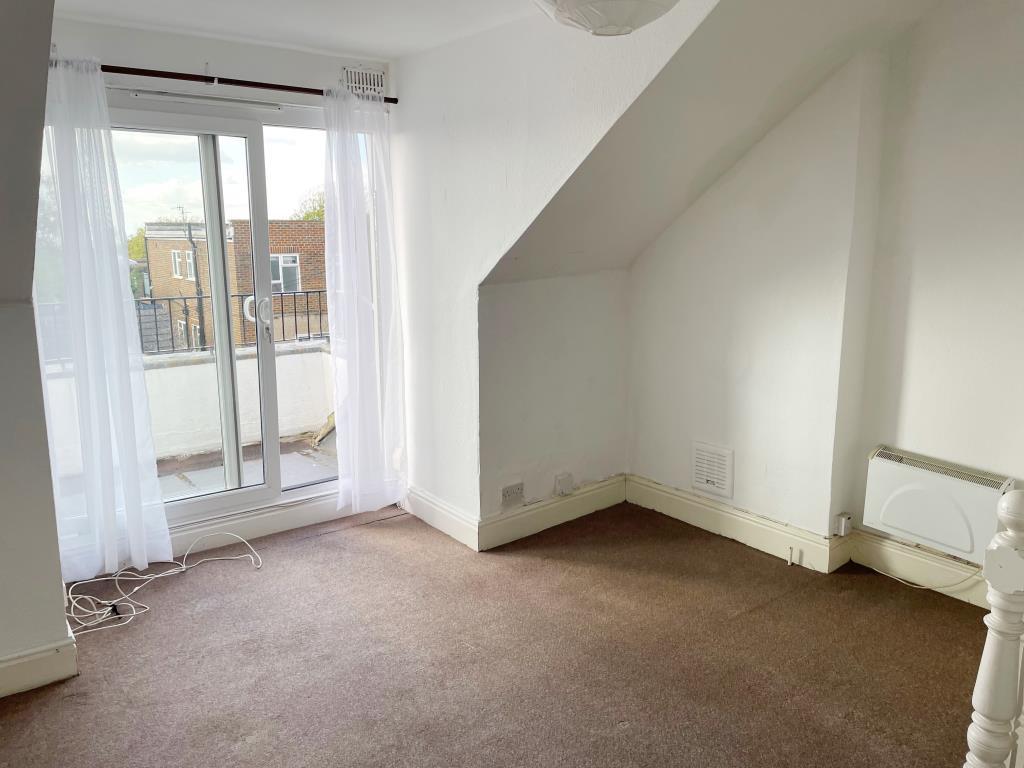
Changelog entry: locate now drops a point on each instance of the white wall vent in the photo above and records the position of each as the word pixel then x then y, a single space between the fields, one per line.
pixel 366 82
pixel 934 503
pixel 712 469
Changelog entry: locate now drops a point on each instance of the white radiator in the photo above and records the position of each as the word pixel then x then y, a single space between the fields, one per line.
pixel 933 503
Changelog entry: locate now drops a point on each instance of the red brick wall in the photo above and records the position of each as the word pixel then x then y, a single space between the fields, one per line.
pixel 240 281
pixel 164 285
pixel 294 317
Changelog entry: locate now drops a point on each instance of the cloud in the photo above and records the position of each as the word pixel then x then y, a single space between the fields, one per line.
pixel 295 167
pixel 159 172
pixel 148 149
pixel 159 200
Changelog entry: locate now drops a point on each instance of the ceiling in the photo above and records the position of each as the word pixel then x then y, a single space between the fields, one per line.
pixel 380 29
pixel 747 66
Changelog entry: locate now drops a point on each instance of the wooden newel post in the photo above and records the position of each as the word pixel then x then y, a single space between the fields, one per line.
pixel 997 706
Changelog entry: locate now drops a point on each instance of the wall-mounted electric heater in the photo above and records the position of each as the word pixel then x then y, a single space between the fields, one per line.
pixel 933 503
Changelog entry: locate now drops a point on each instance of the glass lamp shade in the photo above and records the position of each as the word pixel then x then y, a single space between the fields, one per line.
pixel 606 17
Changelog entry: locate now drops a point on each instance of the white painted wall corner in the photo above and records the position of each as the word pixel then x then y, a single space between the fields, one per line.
pixel 35 667
pixel 438 513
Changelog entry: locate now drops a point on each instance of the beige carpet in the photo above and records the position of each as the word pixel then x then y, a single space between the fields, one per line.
pixel 621 639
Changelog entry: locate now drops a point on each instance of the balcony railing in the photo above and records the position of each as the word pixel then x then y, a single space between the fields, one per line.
pixel 170 324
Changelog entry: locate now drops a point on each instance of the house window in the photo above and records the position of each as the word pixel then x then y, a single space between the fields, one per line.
pixel 195 338
pixel 176 263
pixel 180 331
pixel 190 265
pixel 284 273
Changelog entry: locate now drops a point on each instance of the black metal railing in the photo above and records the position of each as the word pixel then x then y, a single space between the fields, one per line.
pixel 298 316
pixel 175 323
pixel 185 323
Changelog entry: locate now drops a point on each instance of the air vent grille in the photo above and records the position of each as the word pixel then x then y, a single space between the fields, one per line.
pixel 712 469
pixel 366 82
pixel 976 476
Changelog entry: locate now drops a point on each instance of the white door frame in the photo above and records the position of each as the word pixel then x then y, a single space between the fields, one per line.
pixel 224 502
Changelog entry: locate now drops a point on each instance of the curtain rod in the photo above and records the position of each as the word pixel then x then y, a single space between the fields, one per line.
pixel 212 80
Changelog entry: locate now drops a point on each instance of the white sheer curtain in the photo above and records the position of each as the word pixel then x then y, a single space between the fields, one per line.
pixel 109 506
pixel 362 295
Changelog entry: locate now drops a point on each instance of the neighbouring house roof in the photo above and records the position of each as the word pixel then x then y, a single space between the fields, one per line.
pixel 176 230
pixel 160 230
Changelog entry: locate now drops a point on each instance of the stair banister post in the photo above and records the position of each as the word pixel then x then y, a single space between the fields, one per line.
pixel 990 737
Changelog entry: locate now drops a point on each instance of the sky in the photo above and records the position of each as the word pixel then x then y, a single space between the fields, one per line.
pixel 160 172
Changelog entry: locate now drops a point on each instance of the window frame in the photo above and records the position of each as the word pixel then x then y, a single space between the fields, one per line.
pixel 194 327
pixel 278 258
pixel 193 515
pixel 176 263
pixel 190 265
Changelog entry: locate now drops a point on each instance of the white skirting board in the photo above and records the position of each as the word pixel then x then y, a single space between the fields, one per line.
pixel 917 565
pixel 257 522
pixel 905 561
pixel 440 514
pixel 501 529
pixel 824 554
pixel 819 553
pixel 34 667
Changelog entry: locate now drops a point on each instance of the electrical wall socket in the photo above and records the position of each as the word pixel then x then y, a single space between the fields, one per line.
pixel 564 484
pixel 512 495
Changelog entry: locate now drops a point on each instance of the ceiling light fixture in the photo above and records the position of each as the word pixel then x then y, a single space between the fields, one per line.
pixel 606 17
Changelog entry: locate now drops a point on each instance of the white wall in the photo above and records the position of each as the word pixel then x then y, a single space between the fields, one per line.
pixel 946 368
pixel 155 49
pixel 848 457
pixel 737 313
pixel 487 130
pixel 185 405
pixel 31 600
pixel 747 66
pixel 553 359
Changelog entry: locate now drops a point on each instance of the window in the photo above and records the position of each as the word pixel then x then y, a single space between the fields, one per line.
pixel 284 273
pixel 196 344
pixel 190 265
pixel 176 263
pixel 180 330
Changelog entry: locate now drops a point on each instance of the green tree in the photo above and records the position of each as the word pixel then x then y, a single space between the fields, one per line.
pixel 137 245
pixel 137 255
pixel 311 208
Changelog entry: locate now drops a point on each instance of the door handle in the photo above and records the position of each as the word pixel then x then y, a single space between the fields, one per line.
pixel 265 311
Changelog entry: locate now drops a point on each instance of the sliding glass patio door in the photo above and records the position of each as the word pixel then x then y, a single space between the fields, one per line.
pixel 194 196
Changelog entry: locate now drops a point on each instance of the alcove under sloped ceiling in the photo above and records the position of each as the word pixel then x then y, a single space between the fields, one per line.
pixel 561 362
pixel 745 67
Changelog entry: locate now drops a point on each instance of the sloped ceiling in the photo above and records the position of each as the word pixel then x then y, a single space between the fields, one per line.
pixel 747 66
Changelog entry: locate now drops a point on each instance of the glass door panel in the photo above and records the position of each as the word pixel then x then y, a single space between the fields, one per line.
pixel 186 200
pixel 305 383
pixel 241 293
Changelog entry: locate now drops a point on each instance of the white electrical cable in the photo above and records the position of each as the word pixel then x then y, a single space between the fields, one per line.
pixel 938 587
pixel 88 613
